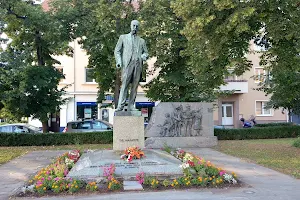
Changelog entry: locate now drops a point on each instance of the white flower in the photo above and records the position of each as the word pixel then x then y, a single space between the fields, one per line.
pixel 27 189
pixel 229 178
pixel 123 156
pixel 187 157
pixel 184 165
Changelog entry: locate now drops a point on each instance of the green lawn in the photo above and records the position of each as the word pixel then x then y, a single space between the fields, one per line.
pixel 277 154
pixel 9 153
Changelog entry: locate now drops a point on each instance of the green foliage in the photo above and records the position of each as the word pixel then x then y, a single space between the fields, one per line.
pixel 28 79
pixel 167 148
pixel 48 139
pixel 274 124
pixel 296 143
pixel 177 79
pixel 258 133
pixel 218 34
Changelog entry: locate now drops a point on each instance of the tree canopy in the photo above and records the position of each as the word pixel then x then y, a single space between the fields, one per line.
pixel 29 81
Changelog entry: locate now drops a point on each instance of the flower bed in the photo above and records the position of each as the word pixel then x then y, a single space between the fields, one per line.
pixel 53 179
pixel 197 173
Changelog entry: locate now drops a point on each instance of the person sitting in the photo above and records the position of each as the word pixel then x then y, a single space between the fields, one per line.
pixel 245 123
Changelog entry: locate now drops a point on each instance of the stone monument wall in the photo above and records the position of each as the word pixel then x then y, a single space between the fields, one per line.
pixel 181 124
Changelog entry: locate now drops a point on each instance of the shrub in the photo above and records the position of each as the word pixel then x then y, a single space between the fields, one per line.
pixel 275 124
pixel 296 143
pixel 48 139
pixel 258 133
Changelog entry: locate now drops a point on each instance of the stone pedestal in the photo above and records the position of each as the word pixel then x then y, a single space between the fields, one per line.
pixel 128 131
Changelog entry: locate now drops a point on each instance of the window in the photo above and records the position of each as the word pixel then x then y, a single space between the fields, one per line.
pixel 20 129
pixel 6 129
pixel 259 73
pixel 84 125
pixel 99 125
pixel 260 109
pixel 89 78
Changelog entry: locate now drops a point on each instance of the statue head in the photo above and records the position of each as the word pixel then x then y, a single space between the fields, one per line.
pixel 134 26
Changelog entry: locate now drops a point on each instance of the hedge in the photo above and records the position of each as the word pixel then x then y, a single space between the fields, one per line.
pixel 258 133
pixel 48 139
pixel 274 124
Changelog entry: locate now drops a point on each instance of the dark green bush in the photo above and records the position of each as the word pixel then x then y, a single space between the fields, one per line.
pixel 258 133
pixel 48 139
pixel 296 143
pixel 275 124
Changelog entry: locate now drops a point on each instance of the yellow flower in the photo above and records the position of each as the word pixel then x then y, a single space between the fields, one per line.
pixel 56 186
pixel 95 187
pixel 156 182
pixel 76 186
pixel 44 188
pixel 210 179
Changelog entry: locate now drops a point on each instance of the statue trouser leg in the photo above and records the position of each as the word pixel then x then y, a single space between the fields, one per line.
pixel 135 83
pixel 126 76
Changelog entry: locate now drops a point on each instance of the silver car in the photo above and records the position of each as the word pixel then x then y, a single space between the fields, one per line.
pixel 19 128
pixel 88 126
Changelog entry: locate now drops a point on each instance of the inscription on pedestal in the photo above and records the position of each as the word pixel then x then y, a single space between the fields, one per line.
pixel 128 140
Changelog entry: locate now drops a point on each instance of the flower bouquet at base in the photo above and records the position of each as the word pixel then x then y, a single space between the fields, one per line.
pixel 131 153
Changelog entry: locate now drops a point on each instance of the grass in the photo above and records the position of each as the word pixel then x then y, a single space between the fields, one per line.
pixel 277 154
pixel 9 153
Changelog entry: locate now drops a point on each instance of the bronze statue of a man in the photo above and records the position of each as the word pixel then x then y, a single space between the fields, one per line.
pixel 130 52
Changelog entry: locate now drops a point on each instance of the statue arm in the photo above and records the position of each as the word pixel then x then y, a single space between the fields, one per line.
pixel 145 52
pixel 118 52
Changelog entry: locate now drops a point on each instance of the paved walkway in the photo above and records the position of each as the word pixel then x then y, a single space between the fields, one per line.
pixel 14 173
pixel 261 183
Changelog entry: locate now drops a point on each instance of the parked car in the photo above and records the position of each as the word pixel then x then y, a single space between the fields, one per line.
pixel 88 125
pixel 19 128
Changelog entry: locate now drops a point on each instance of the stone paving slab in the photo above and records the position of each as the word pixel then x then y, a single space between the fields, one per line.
pixel 132 185
pixel 15 173
pixel 156 162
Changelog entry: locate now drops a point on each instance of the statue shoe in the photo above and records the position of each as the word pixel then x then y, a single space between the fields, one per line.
pixel 119 109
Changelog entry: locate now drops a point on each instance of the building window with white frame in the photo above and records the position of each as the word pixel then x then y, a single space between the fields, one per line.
pixel 259 73
pixel 261 110
pixel 89 78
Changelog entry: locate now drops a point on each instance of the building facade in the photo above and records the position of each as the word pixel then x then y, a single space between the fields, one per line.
pixel 246 102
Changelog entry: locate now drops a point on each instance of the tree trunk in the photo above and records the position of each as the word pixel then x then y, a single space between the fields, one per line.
pixel 45 126
pixel 290 115
pixel 39 52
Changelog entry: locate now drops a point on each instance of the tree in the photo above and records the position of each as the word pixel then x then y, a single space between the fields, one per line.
pixel 177 79
pixel 219 32
pixel 282 56
pixel 31 81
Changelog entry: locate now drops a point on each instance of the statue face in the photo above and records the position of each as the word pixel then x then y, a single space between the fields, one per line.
pixel 134 26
